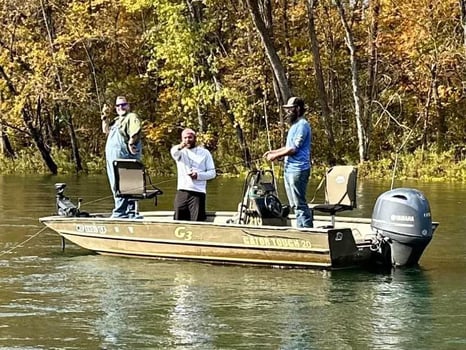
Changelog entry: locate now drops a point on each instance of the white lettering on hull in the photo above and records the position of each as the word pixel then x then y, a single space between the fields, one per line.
pixel 276 242
pixel 91 228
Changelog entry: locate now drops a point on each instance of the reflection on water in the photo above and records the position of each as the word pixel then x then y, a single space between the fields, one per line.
pixel 402 310
pixel 91 301
pixel 189 317
pixel 75 300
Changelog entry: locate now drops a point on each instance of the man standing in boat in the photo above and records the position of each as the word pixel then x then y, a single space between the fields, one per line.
pixel 123 142
pixel 297 153
pixel 195 166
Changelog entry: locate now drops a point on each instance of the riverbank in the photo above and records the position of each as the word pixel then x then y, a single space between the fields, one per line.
pixel 425 166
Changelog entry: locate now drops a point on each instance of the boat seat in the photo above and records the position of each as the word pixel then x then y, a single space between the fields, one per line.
pixel 132 181
pixel 340 190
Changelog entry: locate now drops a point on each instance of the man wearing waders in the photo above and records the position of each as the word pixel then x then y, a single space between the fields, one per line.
pixel 123 141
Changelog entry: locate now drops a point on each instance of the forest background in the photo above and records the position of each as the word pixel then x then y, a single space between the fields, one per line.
pixel 384 81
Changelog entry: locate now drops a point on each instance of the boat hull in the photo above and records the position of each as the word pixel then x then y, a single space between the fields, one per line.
pixel 216 241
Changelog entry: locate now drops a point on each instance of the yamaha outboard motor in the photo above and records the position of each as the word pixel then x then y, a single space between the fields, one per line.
pixel 402 218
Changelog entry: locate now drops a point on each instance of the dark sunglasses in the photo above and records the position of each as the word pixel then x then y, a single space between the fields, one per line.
pixel 122 105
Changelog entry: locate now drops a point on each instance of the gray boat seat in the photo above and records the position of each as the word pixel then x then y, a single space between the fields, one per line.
pixel 340 190
pixel 132 181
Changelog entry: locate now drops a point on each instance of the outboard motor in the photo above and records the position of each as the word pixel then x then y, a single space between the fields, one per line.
pixel 402 219
pixel 64 206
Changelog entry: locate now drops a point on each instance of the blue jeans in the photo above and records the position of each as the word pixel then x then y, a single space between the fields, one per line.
pixel 295 186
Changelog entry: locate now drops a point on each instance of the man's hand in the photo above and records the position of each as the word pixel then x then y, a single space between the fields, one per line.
pixel 192 174
pixel 105 111
pixel 269 155
pixel 182 145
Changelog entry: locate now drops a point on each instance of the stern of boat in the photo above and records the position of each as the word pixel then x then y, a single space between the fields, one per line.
pixel 343 249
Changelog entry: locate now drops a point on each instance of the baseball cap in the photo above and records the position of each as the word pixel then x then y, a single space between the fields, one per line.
pixel 294 102
pixel 120 100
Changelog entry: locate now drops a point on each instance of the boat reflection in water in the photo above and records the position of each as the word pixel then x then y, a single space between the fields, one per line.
pixel 402 311
pixel 202 306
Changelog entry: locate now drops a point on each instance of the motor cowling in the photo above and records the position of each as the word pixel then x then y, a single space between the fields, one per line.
pixel 402 216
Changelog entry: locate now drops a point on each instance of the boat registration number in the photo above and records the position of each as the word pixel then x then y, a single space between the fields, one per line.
pixel 91 228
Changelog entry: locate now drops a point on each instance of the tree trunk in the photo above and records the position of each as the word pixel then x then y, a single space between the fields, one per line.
pixel 225 105
pixel 74 142
pixel 274 60
pixel 239 133
pixel 358 104
pixel 322 93
pixel 439 111
pixel 37 137
pixel 47 15
pixel 195 17
pixel 5 145
pixel 35 133
pixel 371 88
pixel 463 21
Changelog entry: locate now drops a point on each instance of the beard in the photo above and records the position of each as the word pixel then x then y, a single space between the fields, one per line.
pixel 292 117
pixel 191 144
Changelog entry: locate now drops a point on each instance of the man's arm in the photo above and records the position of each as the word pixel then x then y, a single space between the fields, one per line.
pixel 279 152
pixel 175 151
pixel 208 173
pixel 134 132
pixel 104 116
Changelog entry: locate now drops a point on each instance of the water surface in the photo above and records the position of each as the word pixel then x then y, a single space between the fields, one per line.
pixel 51 299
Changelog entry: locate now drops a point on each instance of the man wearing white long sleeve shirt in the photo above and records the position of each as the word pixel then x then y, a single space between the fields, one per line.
pixel 195 166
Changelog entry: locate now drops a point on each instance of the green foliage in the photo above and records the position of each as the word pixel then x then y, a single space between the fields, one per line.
pixel 202 64
pixel 425 166
pixel 28 161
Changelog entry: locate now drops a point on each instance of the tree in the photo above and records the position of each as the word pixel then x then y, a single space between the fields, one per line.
pixel 274 59
pixel 321 90
pixel 463 20
pixel 358 102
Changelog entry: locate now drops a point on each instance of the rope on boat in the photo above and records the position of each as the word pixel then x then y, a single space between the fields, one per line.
pixel 23 242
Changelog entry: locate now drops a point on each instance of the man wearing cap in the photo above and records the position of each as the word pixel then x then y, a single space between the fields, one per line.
pixel 195 166
pixel 297 153
pixel 123 141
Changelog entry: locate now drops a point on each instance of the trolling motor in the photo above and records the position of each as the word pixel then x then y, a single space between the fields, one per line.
pixel 261 205
pixel 64 206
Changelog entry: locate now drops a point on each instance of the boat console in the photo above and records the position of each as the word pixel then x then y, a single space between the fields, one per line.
pixel 260 204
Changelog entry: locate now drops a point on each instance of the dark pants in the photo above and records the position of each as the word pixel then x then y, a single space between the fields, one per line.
pixel 189 206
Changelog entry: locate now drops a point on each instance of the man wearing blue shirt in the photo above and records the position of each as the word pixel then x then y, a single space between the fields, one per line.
pixel 297 153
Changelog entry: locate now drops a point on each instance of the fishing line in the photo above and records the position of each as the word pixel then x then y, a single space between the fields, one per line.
pixel 23 242
pixel 411 130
